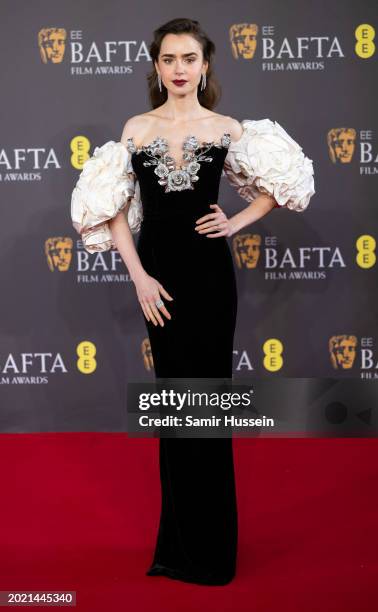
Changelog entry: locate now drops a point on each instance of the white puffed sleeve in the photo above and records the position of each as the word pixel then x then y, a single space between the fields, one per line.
pixel 105 186
pixel 267 160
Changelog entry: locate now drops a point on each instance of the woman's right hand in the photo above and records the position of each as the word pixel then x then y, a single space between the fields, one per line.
pixel 149 291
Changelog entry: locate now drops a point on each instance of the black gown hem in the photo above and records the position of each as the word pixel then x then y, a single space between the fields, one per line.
pixel 161 570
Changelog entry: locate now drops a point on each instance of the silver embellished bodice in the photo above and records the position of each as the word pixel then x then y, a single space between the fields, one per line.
pixel 195 153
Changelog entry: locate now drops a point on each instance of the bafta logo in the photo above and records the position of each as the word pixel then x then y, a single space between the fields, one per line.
pixel 52 44
pixel 341 144
pixel 147 354
pixel 342 350
pixel 58 252
pixel 246 249
pixel 243 40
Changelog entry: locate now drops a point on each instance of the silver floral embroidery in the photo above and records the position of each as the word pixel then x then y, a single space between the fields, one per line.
pixel 183 177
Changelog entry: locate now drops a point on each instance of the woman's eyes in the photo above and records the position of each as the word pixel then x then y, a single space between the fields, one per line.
pixel 188 59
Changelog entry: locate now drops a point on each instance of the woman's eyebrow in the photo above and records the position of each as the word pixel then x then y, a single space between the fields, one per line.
pixel 183 54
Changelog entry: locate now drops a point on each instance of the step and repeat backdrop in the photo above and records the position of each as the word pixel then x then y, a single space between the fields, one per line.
pixel 72 331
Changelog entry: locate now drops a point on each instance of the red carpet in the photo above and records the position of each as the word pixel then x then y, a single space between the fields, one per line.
pixel 79 511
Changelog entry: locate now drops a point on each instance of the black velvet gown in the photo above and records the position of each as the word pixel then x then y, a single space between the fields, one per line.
pixel 197 537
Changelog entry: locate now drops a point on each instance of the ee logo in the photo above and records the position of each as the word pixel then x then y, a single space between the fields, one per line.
pixel 86 351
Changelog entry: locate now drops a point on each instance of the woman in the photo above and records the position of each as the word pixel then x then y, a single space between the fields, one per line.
pixel 163 178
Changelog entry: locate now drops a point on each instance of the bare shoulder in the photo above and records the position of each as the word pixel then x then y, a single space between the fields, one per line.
pixel 234 128
pixel 135 125
pixel 230 125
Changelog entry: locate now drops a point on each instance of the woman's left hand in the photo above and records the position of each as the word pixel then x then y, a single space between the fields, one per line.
pixel 216 223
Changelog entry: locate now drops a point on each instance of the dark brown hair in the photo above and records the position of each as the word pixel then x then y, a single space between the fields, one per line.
pixel 210 96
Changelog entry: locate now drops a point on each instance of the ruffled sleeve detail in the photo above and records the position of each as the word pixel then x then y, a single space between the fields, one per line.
pixel 267 160
pixel 105 186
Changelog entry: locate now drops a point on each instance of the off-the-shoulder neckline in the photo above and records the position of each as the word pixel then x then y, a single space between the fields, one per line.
pixel 190 141
pixel 130 142
pixel 201 142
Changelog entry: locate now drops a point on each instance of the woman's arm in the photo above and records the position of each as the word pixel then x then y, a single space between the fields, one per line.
pixel 257 208
pixel 148 289
pixel 260 206
pixel 253 212
pixel 124 241
pixel 122 236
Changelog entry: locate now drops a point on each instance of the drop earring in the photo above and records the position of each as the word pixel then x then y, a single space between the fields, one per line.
pixel 203 84
pixel 159 82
